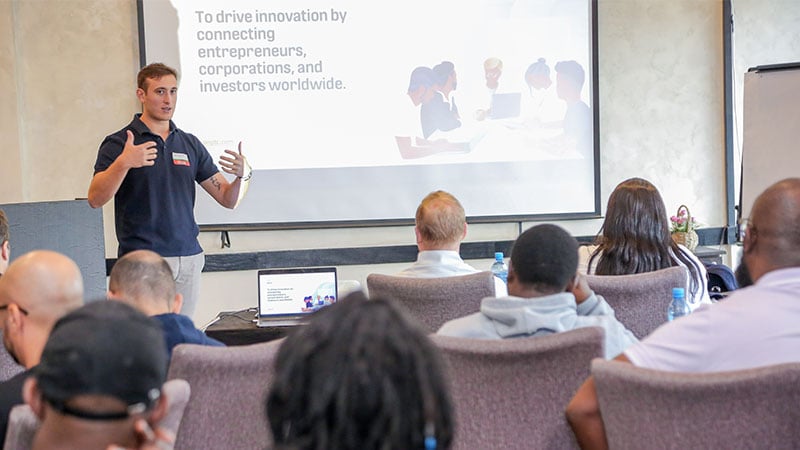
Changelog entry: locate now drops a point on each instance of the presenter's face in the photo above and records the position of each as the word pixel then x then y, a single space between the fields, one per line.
pixel 158 103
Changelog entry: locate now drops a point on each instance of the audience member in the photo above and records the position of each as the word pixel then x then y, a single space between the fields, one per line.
pixel 143 279
pixel 361 376
pixel 635 238
pixel 546 296
pixel 38 288
pixel 100 375
pixel 753 327
pixel 5 247
pixel 441 225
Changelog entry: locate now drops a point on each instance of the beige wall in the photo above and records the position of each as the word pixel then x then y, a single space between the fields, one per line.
pixel 67 75
pixel 765 32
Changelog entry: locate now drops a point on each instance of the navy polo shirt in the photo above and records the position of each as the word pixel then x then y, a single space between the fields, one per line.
pixel 154 206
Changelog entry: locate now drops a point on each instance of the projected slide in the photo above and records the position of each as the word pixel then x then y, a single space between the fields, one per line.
pixel 342 105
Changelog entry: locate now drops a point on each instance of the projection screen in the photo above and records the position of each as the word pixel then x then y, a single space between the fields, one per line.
pixel 352 111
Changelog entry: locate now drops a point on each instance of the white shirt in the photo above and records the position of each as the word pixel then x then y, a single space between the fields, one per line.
pixel 446 263
pixel 753 327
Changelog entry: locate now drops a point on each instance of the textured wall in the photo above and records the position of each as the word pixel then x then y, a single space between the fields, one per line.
pixel 765 32
pixel 661 100
pixel 75 66
pixel 67 72
pixel 11 185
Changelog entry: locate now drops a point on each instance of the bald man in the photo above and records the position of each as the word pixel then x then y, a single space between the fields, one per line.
pixel 753 327
pixel 143 279
pixel 38 288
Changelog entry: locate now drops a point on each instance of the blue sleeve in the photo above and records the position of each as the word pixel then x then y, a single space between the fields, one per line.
pixel 109 151
pixel 205 164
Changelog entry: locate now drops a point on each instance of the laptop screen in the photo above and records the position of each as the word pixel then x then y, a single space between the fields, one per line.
pixel 505 105
pixel 295 292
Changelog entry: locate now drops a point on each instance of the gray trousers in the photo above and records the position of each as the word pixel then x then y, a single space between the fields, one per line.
pixel 186 271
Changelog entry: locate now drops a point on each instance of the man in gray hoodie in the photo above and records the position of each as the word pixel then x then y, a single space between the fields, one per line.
pixel 546 296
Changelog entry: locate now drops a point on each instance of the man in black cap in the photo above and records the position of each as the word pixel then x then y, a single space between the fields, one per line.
pixel 99 377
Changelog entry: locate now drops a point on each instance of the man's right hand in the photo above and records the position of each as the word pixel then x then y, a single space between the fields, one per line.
pixel 141 155
pixel 580 288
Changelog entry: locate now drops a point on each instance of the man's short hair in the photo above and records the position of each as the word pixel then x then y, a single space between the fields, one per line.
pixel 421 76
pixel 440 218
pixel 103 348
pixel 572 71
pixel 4 235
pixel 139 279
pixel 154 71
pixel 546 257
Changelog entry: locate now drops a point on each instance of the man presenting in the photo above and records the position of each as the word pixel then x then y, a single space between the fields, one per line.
pixel 150 168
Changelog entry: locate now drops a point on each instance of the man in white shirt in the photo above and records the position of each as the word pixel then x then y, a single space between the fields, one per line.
pixel 753 327
pixel 441 225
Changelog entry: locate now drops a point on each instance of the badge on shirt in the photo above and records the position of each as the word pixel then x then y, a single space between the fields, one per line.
pixel 180 159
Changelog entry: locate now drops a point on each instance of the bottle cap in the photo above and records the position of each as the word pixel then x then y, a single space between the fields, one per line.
pixel 498 256
pixel 678 292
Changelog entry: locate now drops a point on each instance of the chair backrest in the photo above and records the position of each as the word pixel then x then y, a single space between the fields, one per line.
pixel 8 367
pixel 178 393
pixel 750 408
pixel 23 423
pixel 434 301
pixel 511 393
pixel 229 388
pixel 640 300
pixel 22 426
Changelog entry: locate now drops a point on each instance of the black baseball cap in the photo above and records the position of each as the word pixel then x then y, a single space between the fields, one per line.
pixel 104 348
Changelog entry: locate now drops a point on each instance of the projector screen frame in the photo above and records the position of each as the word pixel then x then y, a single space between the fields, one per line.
pixel 592 76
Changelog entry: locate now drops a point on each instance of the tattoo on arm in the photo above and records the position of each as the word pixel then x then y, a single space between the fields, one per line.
pixel 215 183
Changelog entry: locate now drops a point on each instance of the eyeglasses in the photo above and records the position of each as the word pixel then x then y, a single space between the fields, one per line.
pixel 23 310
pixel 745 226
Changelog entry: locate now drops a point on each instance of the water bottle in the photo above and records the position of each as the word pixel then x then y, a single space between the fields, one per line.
pixel 678 306
pixel 499 268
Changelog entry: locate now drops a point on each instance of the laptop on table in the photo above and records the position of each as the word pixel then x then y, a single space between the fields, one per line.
pixel 287 296
pixel 505 105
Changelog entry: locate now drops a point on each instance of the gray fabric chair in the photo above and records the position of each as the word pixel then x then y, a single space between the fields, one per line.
pixel 511 393
pixel 752 408
pixel 434 301
pixel 23 423
pixel 640 300
pixel 229 389
pixel 8 367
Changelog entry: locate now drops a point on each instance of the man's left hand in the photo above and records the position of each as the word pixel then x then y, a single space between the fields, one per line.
pixel 235 163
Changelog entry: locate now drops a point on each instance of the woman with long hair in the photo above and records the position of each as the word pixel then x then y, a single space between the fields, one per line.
pixel 635 238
